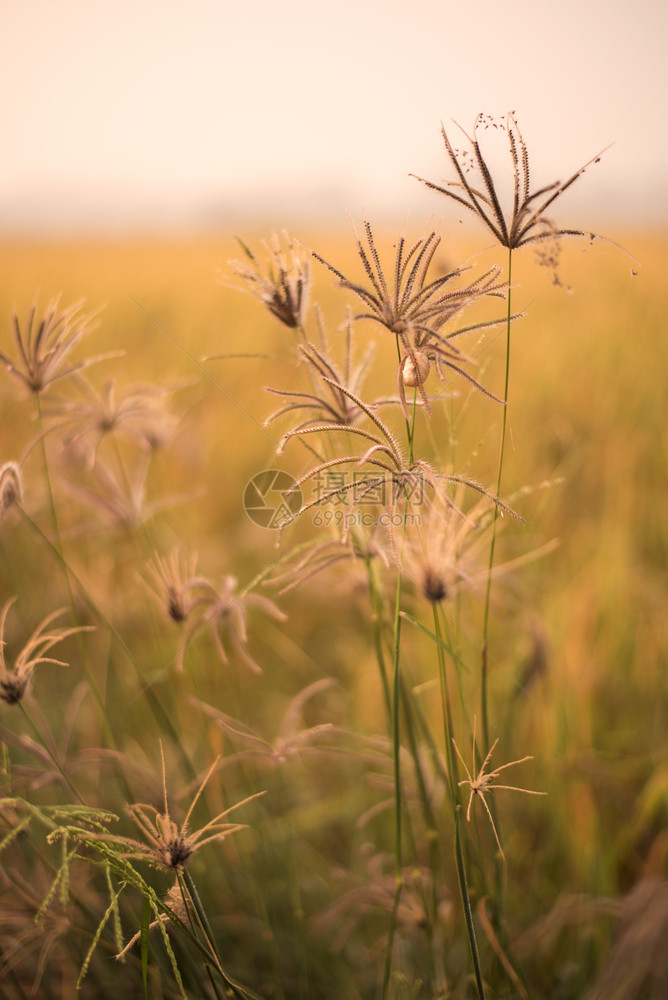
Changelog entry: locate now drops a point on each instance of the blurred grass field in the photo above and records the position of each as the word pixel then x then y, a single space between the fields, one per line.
pixel 587 466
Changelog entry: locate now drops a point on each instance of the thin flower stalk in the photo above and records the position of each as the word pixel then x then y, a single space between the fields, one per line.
pixel 527 223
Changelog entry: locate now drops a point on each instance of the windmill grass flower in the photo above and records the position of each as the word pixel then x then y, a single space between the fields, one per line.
pixel 283 285
pixel 137 411
pixel 14 679
pixel 222 611
pixel 415 309
pixel 330 402
pixel 176 583
pixel 118 495
pixel 485 782
pixel 43 349
pixel 477 191
pixel 170 846
pixel 290 741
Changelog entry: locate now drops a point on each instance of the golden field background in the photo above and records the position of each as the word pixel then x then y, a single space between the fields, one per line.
pixel 587 466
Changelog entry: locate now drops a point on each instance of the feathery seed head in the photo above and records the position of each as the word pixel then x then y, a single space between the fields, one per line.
pixel 485 781
pixel 223 611
pixel 171 846
pixel 14 680
pixel 416 307
pixel 282 285
pixel 136 411
pixel 434 586
pixel 476 190
pixel 177 584
pixel 43 352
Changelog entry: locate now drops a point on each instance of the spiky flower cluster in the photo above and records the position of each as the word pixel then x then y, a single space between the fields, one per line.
pixel 44 347
pixel 528 221
pixel 171 846
pixel 14 678
pixel 282 285
pixel 417 308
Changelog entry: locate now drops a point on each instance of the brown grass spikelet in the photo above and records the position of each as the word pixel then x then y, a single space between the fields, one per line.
pixel 484 782
pixel 177 584
pixel 417 308
pixel 44 348
pixel 171 846
pixel 14 680
pixel 282 285
pixel 478 192
pixel 222 611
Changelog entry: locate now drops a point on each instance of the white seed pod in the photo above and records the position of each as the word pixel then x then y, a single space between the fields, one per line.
pixel 414 370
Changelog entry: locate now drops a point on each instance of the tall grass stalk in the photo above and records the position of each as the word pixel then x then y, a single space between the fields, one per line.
pixel 484 696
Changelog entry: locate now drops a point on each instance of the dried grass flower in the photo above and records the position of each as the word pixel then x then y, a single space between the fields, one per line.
pixel 330 403
pixel 375 891
pixel 44 348
pixel 477 191
pixel 445 550
pixel 484 782
pixel 282 284
pixel 222 612
pixel 139 412
pixel 118 495
pixel 177 584
pixel 14 679
pixel 315 556
pixel 414 308
pixel 291 740
pixel 382 473
pixel 168 845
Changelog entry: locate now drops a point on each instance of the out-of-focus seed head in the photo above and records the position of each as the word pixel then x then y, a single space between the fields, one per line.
pixel 11 487
pixel 433 585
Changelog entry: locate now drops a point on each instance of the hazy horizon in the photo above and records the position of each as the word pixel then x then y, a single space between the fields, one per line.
pixel 143 117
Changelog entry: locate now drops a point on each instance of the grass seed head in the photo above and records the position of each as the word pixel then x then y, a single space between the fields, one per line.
pixel 170 846
pixel 44 348
pixel 476 189
pixel 282 285
pixel 14 679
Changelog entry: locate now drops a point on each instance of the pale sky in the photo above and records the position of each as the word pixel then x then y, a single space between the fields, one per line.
pixel 140 114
